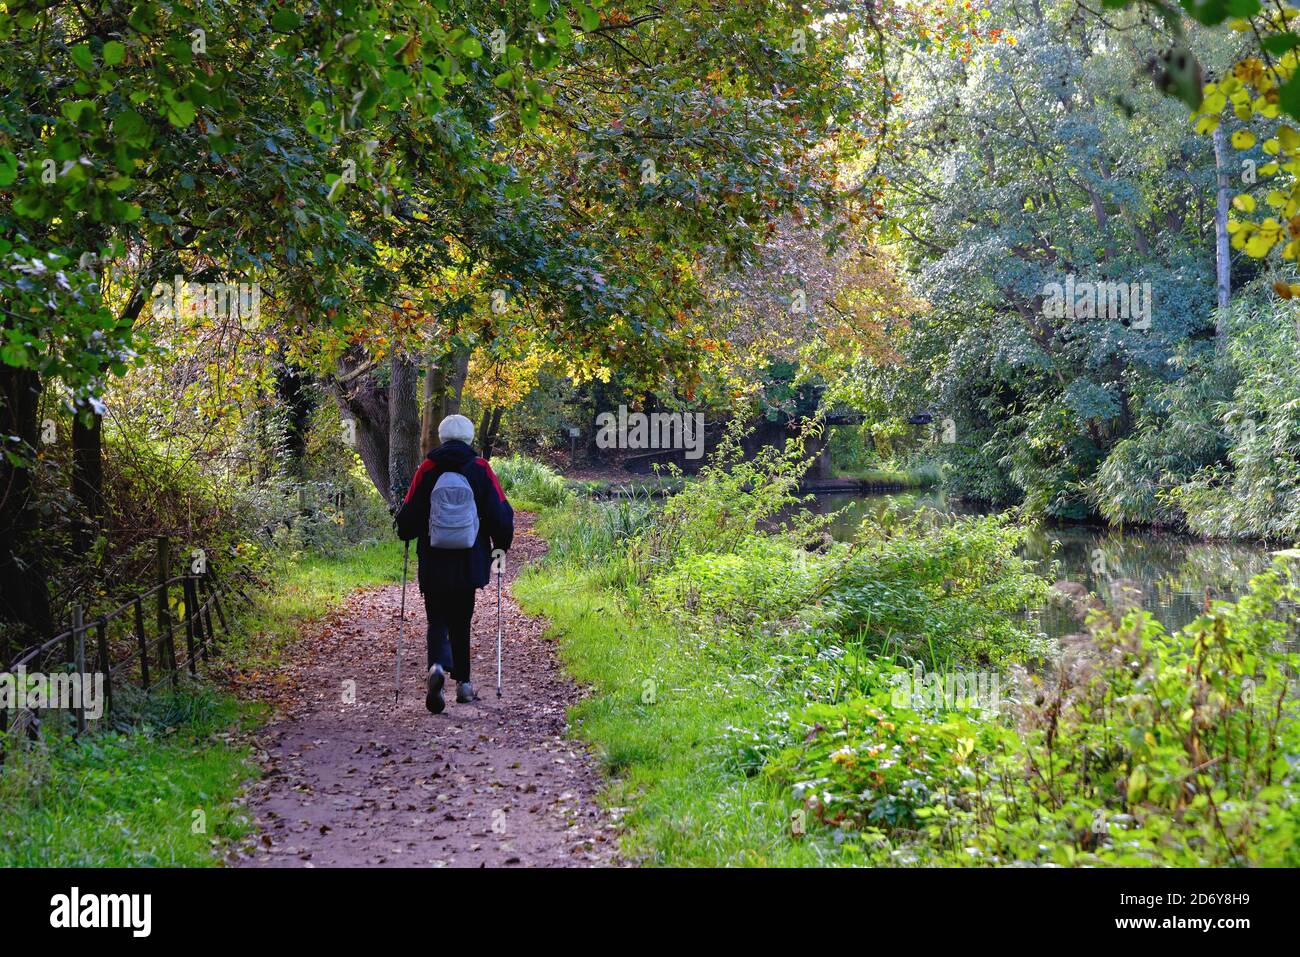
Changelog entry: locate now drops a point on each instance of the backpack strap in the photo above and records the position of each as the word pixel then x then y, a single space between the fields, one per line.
pixel 425 468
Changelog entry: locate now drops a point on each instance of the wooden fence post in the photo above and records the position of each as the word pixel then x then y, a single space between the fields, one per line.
pixel 187 593
pixel 200 629
pixel 79 662
pixel 201 593
pixel 144 645
pixel 164 613
pixel 207 619
pixel 214 590
pixel 101 634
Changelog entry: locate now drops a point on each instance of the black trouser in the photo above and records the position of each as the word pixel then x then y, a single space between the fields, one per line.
pixel 449 611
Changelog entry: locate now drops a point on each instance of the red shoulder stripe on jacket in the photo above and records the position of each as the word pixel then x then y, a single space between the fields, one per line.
pixel 493 476
pixel 420 473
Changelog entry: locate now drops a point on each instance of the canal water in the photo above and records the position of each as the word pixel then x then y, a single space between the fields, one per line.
pixel 1174 573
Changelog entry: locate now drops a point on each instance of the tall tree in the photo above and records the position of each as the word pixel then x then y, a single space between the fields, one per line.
pixel 403 425
pixel 1040 166
pixel 1222 263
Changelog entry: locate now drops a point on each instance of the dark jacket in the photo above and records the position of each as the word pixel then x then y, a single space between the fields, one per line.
pixel 442 568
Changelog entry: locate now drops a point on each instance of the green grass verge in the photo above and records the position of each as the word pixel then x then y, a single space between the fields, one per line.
pixel 129 798
pixel 306 588
pixel 157 795
pixel 658 710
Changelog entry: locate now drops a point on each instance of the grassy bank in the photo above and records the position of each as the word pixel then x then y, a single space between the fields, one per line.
pixel 689 705
pixel 633 486
pixel 659 708
pixel 756 703
pixel 161 789
pixel 159 794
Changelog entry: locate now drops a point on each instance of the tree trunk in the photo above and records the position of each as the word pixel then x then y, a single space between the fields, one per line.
pixel 24 594
pixel 435 381
pixel 459 369
pixel 87 478
pixel 292 391
pixel 88 448
pixel 1222 262
pixel 489 428
pixel 364 403
pixel 1103 222
pixel 444 383
pixel 403 426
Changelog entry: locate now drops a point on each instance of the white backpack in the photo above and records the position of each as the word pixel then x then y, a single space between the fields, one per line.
pixel 453 516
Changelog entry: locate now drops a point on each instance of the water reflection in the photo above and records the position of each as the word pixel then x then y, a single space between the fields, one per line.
pixel 1175 574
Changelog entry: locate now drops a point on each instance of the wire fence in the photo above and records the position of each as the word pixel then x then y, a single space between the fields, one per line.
pixel 115 650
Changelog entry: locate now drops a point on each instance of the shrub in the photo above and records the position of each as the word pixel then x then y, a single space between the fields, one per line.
pixel 594 532
pixel 868 766
pixel 763 580
pixel 530 483
pixel 726 504
pixel 322 517
pixel 956 590
pixel 1138 748
pixel 1177 435
pixel 1257 492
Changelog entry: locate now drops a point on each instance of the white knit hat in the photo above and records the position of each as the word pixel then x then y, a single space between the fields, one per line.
pixel 456 427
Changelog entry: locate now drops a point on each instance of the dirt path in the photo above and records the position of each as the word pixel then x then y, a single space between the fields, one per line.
pixel 493 783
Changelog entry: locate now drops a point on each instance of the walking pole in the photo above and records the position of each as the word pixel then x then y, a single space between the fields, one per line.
pixel 498 631
pixel 401 629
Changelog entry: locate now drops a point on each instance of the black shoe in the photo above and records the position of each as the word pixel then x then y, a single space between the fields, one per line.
pixel 465 692
pixel 433 699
